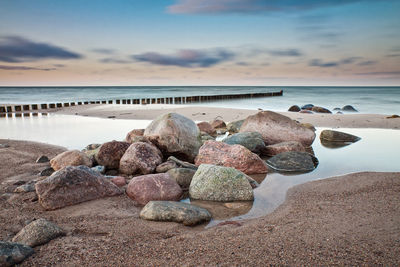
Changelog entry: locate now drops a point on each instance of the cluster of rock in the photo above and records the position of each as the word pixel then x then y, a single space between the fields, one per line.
pixel 310 108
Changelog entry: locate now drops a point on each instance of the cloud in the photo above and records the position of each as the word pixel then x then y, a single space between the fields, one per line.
pixel 345 61
pixel 250 6
pixel 18 49
pixel 367 63
pixel 114 61
pixel 187 58
pixel 104 51
pixel 396 73
pixel 285 53
pixel 4 67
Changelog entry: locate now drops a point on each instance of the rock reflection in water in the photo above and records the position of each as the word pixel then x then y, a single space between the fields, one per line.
pixel 334 145
pixel 224 210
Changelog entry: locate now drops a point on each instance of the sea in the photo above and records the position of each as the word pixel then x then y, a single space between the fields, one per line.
pixel 374 100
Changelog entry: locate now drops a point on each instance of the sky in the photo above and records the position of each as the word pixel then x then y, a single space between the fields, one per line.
pixel 199 42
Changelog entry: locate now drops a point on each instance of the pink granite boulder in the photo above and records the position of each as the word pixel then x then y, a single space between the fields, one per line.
pixel 110 154
pixel 207 128
pixel 276 128
pixel 218 124
pixel 150 187
pixel 236 156
pixel 140 158
pixel 276 149
pixel 132 135
pixel 119 181
pixel 70 158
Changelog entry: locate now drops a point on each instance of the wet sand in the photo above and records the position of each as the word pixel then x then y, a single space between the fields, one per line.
pixel 203 113
pixel 348 220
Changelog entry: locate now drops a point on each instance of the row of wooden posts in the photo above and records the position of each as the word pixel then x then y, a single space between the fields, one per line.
pixel 143 101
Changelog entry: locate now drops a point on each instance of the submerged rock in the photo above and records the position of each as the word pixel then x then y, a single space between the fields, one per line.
pixel 174 212
pixel 320 109
pixel 276 128
pixel 140 158
pixel 73 185
pixel 110 154
pixel 236 156
pixel 293 161
pixel 349 108
pixel 216 183
pixel 149 187
pixel 175 134
pixel 253 141
pixel 307 106
pixel 336 136
pixel 294 108
pixel 37 233
pixel 276 149
pixel 13 253
pixel 70 158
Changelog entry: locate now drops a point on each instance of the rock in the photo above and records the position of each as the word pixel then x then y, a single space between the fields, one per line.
pixel 37 233
pixel 110 154
pixel 293 161
pixel 207 128
pixel 395 116
pixel 308 126
pixel 336 136
pixel 70 158
pixel 100 169
pixel 275 149
pixel 73 185
pixel 251 140
pixel 130 137
pixel 140 158
pixel 166 166
pixel 175 134
pixel 206 137
pixel 92 154
pixel 234 126
pixel 236 156
pixel 119 181
pixel 306 111
pixel 320 109
pixel 25 188
pixel 276 128
pixel 92 147
pixel 216 124
pixel 183 164
pixel 294 108
pixel 149 187
pixel 307 106
pixel 42 159
pixel 47 172
pixel 13 253
pixel 112 172
pixel 4 146
pixel 349 108
pixel 175 212
pixel 182 176
pixel 216 183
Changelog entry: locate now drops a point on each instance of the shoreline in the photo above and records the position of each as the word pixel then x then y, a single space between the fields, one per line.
pixel 205 113
pixel 350 219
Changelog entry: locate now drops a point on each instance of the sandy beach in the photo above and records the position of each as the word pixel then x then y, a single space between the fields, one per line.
pixel 203 113
pixel 348 220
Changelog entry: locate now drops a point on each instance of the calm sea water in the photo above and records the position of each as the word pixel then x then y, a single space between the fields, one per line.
pixel 381 100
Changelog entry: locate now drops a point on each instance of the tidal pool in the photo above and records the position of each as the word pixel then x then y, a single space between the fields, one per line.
pixel 377 150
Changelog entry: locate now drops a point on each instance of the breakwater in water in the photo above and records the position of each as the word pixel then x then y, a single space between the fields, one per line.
pixel 27 108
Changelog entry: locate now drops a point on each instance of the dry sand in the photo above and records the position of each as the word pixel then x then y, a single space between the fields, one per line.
pixel 348 220
pixel 203 113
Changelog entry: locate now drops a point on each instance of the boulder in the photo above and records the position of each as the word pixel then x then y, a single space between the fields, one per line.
pixel 25 188
pixel 149 187
pixel 119 181
pixel 47 172
pixel 207 128
pixel 132 135
pixel 306 111
pixel 42 159
pixel 320 109
pixel 72 185
pixel 236 156
pixel 166 166
pixel 13 253
pixel 253 141
pixel 276 128
pixel 140 158
pixel 294 108
pixel 110 154
pixel 176 135
pixel 206 137
pixel 182 176
pixel 293 161
pixel 307 106
pixel 275 149
pixel 308 126
pixel 234 126
pixel 349 108
pixel 171 211
pixel 336 136
pixel 216 124
pixel 92 154
pixel 216 183
pixel 70 158
pixel 37 233
pixel 92 147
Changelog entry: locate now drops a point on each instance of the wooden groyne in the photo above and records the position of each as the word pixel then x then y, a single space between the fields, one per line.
pixel 28 108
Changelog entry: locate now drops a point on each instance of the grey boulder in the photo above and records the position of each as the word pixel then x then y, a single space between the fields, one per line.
pixel 13 253
pixel 253 141
pixel 293 161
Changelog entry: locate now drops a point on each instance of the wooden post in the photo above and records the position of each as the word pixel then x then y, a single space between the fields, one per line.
pixel 103 102
pixel 79 103
pixel 17 108
pixel 118 101
pixel 52 105
pixel 43 106
pixel 148 101
pixel 110 101
pixel 25 107
pixel 26 114
pixel 9 109
pixel 18 114
pixel 2 115
pixel 72 104
pixel 128 101
pixel 59 105
pixel 34 107
pixel 66 104
pixel 124 101
pixel 153 101
pixel 2 109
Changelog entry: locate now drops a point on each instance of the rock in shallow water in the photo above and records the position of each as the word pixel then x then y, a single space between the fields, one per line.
pixel 336 136
pixel 13 253
pixel 174 212
pixel 251 140
pixel 293 161
pixel 73 185
pixel 37 233
pixel 276 149
pixel 216 183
